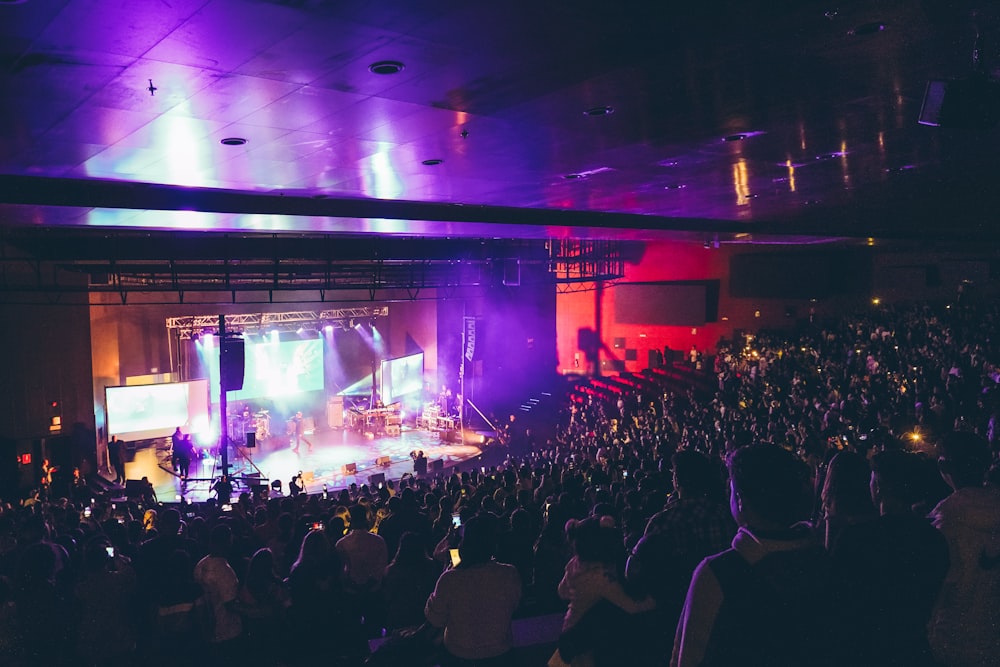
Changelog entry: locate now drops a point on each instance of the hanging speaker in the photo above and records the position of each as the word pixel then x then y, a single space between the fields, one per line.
pixel 231 364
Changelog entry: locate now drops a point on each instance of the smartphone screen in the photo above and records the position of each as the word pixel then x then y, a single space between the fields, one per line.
pixel 110 551
pixel 456 520
pixel 455 559
pixel 227 508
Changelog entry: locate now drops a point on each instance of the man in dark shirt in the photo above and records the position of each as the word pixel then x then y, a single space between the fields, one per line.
pixel 888 571
pixel 116 455
pixel 695 524
pixel 765 601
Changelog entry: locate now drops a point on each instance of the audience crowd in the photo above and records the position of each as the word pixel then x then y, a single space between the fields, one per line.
pixel 826 496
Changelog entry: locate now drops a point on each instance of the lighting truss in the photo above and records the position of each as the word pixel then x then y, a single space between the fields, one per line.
pixel 188 325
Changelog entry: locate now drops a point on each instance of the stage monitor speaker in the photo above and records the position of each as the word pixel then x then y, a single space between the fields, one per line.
pixel 350 468
pixel 437 465
pixel 251 440
pixel 376 479
pixel 383 461
pixel 231 363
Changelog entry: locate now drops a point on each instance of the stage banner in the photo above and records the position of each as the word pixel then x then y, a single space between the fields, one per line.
pixel 471 350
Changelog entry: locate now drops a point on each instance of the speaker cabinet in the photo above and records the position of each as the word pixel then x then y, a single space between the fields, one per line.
pixel 231 363
pixel 383 461
pixel 350 469
pixel 376 479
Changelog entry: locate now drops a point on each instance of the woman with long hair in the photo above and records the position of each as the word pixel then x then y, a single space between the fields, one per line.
pixel 408 581
pixel 846 496
pixel 316 597
pixel 263 601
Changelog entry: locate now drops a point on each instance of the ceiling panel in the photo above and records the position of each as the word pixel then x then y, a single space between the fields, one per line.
pixel 784 118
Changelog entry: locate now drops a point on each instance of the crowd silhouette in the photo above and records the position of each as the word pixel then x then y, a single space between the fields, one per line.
pixel 827 495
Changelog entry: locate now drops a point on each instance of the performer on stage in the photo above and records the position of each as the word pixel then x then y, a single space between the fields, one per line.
pixel 183 453
pixel 116 456
pixel 298 435
pixel 444 400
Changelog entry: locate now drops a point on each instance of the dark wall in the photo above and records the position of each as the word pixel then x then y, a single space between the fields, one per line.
pixel 46 360
pixel 515 347
pixel 800 274
pixel 673 303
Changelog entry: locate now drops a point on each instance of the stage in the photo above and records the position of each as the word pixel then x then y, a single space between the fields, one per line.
pixel 273 459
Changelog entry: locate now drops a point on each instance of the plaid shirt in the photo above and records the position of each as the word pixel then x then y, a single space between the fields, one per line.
pixel 696 527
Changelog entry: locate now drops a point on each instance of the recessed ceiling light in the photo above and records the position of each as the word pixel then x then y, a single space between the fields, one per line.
pixel 868 28
pixel 599 111
pixel 386 67
pixel 572 176
pixel 734 137
pixel 432 162
pixel 675 186
pixel 233 141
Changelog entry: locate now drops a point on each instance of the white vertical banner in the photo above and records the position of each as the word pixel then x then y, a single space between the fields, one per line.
pixel 470 339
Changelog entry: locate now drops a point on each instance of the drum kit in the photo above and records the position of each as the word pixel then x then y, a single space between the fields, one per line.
pixel 262 424
pixel 258 423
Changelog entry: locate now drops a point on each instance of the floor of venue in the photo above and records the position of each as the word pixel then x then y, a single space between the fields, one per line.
pixel 322 464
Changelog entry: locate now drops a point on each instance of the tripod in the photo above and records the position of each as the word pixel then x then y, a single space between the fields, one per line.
pixel 245 472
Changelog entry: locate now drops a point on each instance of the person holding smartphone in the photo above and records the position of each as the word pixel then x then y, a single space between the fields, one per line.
pixel 473 603
pixel 103 595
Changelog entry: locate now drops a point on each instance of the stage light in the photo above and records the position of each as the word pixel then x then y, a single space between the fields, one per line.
pixel 328 329
pixel 274 334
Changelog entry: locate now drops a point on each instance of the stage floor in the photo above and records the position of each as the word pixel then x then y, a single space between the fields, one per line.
pixel 324 464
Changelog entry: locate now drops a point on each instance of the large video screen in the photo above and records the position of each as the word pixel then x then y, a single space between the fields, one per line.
pixel 402 376
pixel 273 368
pixel 142 412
